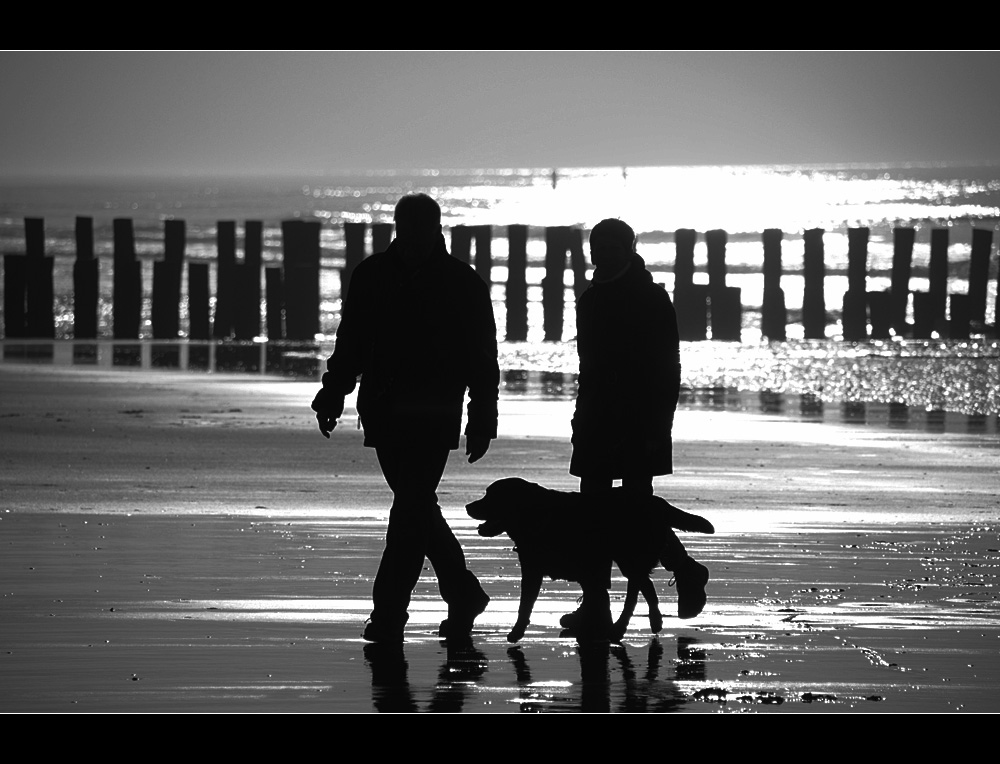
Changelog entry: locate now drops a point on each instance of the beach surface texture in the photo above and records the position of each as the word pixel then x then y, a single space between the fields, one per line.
pixel 184 542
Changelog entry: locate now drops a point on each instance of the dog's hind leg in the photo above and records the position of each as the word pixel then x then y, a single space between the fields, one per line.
pixel 649 594
pixel 531 584
pixel 631 597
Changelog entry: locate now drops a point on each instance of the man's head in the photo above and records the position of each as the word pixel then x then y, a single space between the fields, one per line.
pixel 418 224
pixel 612 243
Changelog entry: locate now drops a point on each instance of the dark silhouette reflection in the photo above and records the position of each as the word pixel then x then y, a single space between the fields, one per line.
pixel 531 700
pixel 899 415
pixel 715 397
pixel 690 660
pixel 611 680
pixel 515 381
pixel 390 687
pixel 936 420
pixel 772 402
pixel 391 691
pixel 595 677
pixel 464 666
pixel 85 354
pixel 126 355
pixel 648 693
pixel 853 412
pixel 811 405
pixel 554 384
pixel 975 424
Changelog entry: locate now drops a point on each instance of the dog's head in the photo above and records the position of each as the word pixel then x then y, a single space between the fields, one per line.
pixel 501 508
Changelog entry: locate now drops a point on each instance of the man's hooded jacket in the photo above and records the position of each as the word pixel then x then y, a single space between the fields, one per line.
pixel 418 340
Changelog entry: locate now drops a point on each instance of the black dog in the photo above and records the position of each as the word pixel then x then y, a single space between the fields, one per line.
pixel 553 533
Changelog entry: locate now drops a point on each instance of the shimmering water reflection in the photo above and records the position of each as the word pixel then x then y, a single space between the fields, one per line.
pixel 936 386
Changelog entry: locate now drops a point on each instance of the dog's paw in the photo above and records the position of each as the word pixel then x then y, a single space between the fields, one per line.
pixel 516 633
pixel 655 622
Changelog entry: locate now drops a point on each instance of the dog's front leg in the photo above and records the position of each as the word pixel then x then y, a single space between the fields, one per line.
pixel 649 593
pixel 531 584
pixel 631 597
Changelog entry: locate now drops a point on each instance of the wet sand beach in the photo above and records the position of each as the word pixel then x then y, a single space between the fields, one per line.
pixel 187 542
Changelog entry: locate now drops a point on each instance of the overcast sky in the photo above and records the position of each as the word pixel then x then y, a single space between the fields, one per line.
pixel 227 113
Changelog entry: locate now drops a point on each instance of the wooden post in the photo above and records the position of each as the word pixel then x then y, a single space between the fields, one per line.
pixel 726 312
pixel 274 297
pixel 167 282
pixel 301 242
pixel 39 316
pixel 275 316
pixel 902 259
pixel 381 236
pixel 577 261
pixel 165 316
pixel 174 241
pixel 996 309
pixel 813 273
pixel 553 283
pixel 773 315
pixel 165 312
pixel 684 241
pixel 979 275
pixel 225 280
pixel 715 242
pixel 724 302
pixel 691 307
pixel 247 319
pixel 461 243
pixel 959 315
pixel 85 281
pixel 516 297
pixel 854 318
pixel 923 316
pixel 880 311
pixel 857 259
pixel 354 253
pixel 198 300
pixel 855 314
pixel 690 299
pixel 483 235
pixel 939 277
pixel 126 310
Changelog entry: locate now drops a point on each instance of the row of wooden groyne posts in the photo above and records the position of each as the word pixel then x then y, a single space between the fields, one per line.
pixel 292 289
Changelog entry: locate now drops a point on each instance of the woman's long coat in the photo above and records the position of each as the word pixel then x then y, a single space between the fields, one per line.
pixel 629 378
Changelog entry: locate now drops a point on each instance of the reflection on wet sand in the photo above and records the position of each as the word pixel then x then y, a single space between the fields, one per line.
pixel 612 678
pixel 391 692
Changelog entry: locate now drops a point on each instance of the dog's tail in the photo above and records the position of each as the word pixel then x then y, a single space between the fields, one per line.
pixel 686 521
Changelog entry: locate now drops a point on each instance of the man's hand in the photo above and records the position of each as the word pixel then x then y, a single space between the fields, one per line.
pixel 476 447
pixel 328 407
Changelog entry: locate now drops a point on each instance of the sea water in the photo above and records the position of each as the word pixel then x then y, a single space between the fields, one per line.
pixel 655 201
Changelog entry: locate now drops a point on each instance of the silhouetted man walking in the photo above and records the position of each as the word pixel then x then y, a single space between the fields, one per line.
pixel 629 384
pixel 418 329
